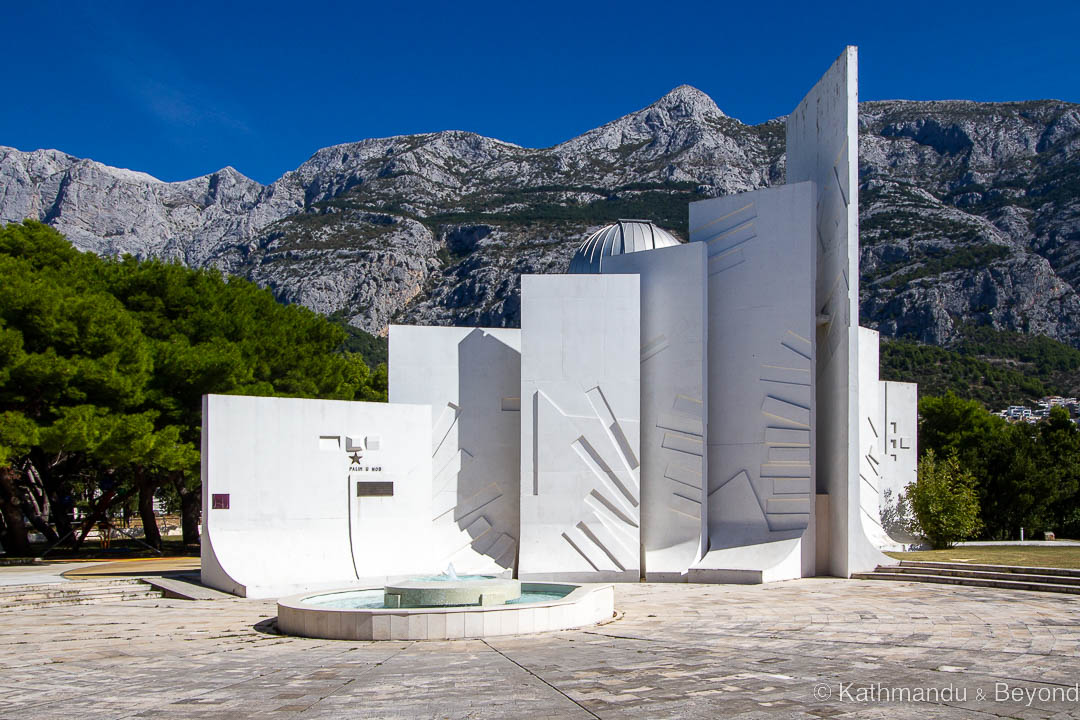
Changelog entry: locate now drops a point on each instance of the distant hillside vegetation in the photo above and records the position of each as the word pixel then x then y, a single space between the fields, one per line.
pixel 997 368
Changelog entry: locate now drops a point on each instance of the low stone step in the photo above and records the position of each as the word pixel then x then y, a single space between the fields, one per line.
pixel 66 584
pixel 968 581
pixel 106 582
pixel 77 592
pixel 1016 569
pixel 68 590
pixel 19 601
pixel 985 574
pixel 97 600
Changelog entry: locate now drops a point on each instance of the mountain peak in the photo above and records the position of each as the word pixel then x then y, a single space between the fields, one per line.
pixel 687 101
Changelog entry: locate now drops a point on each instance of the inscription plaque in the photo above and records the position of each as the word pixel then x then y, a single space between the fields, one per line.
pixel 374 489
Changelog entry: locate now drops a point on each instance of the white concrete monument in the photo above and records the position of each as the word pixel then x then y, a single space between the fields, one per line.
pixel 708 411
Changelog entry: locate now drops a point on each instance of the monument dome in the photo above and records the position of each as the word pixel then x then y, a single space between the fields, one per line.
pixel 622 236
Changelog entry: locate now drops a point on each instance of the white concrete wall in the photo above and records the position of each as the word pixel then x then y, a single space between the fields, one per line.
pixel 899 407
pixel 580 427
pixel 673 404
pixel 761 318
pixel 889 455
pixel 823 147
pixel 471 378
pixel 872 469
pixel 294 521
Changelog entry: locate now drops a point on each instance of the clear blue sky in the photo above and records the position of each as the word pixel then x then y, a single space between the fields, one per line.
pixel 180 89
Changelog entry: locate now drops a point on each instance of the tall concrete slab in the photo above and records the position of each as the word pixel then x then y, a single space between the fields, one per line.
pixel 899 407
pixel 580 427
pixel 471 378
pixel 673 405
pixel 872 469
pixel 761 394
pixel 888 455
pixel 823 147
pixel 311 494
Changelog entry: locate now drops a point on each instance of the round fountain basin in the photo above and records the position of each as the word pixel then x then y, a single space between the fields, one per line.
pixel 359 614
pixel 450 593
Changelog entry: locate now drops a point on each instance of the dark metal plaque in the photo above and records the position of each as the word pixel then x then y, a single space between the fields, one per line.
pixel 374 489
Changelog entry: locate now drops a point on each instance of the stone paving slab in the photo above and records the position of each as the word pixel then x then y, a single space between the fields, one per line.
pixel 818 648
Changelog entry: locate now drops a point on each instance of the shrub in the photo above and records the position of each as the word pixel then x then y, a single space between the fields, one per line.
pixel 896 517
pixel 943 502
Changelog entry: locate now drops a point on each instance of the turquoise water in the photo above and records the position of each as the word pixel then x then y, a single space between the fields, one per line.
pixel 355 600
pixel 373 599
pixel 531 597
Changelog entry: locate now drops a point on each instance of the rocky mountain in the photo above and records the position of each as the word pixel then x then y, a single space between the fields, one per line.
pixel 970 212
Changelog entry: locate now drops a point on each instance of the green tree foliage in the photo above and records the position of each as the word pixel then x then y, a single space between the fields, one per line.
pixel 943 501
pixel 1025 476
pixel 375 350
pixel 1059 438
pixel 103 365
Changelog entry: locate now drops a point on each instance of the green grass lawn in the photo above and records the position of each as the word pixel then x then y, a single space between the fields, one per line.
pixel 1067 556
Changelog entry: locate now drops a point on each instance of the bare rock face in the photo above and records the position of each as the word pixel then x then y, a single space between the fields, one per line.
pixel 970 212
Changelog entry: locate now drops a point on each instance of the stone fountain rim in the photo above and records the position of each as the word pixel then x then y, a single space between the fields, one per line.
pixel 575 593
pixel 585 604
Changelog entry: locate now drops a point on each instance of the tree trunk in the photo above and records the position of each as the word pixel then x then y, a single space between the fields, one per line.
pixel 35 503
pixel 16 543
pixel 101 508
pixel 59 514
pixel 3 533
pixel 151 534
pixel 190 508
pixel 43 467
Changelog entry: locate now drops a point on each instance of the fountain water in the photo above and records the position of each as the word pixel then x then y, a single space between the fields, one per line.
pixel 445 606
pixel 449 590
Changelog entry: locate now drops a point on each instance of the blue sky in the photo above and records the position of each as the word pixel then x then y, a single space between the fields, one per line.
pixel 182 89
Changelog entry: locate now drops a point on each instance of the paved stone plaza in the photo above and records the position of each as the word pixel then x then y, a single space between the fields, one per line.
pixel 695 651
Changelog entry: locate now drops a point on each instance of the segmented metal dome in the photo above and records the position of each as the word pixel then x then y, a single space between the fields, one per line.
pixel 622 236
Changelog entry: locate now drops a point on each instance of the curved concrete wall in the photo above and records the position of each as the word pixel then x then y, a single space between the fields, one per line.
pixel 294 493
pixel 673 405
